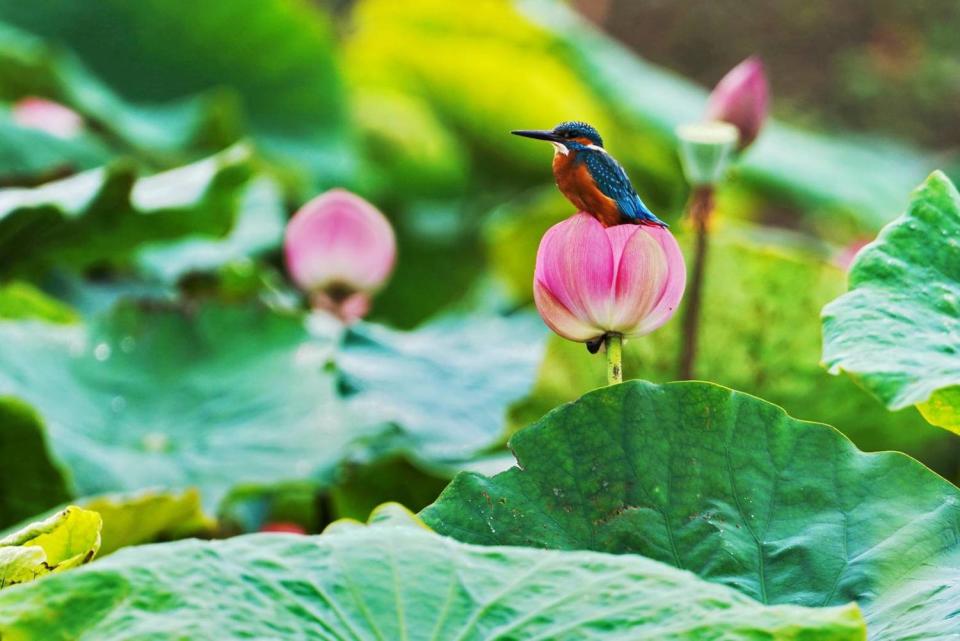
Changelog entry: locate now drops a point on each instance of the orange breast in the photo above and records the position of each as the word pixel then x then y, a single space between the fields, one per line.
pixel 576 183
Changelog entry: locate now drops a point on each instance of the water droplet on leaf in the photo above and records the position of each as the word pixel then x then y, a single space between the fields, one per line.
pixel 155 442
pixel 102 352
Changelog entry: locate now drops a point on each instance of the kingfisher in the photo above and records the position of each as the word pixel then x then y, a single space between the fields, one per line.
pixel 590 177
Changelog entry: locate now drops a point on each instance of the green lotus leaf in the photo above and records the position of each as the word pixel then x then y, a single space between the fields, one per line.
pixel 418 439
pixel 154 396
pixel 394 581
pixel 447 385
pixel 65 540
pixel 149 396
pixel 104 214
pixel 729 487
pixel 897 331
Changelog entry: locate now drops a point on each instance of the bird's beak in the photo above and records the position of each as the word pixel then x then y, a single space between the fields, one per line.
pixel 537 134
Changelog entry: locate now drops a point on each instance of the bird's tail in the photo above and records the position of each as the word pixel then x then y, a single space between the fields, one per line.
pixel 653 221
pixel 647 217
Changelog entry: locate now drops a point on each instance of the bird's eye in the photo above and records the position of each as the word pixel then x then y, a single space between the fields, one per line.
pixel 568 134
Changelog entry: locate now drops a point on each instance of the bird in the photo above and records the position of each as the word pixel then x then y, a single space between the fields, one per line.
pixel 590 177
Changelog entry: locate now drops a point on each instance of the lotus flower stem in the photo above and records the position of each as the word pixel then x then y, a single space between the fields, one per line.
pixel 614 343
pixel 699 210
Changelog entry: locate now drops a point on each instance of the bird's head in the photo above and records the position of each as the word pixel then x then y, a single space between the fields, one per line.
pixel 567 136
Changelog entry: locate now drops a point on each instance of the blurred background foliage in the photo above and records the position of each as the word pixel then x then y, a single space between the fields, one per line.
pixel 207 124
pixel 865 65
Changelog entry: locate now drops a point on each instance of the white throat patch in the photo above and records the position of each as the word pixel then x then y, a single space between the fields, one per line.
pixel 560 147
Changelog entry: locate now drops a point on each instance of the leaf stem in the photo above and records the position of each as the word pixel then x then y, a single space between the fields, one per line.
pixel 614 344
pixel 699 210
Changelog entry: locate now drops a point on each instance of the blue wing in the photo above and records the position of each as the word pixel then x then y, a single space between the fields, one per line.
pixel 613 183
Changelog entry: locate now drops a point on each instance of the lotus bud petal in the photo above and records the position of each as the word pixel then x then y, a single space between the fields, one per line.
pixel 340 249
pixel 47 116
pixel 742 98
pixel 592 280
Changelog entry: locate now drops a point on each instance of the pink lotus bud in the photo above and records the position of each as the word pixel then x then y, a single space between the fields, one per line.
pixel 844 258
pixel 592 280
pixel 284 527
pixel 340 249
pixel 47 116
pixel 742 99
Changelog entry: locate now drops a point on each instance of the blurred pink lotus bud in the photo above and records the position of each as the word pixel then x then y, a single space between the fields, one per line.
pixel 340 249
pixel 742 98
pixel 47 116
pixel 284 527
pixel 592 280
pixel 844 258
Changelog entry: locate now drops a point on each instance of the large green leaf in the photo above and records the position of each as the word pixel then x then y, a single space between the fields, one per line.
pixel 153 397
pixel 729 487
pixel 277 55
pixel 150 396
pixel 103 215
pixel 759 332
pixel 65 540
pixel 396 581
pixel 436 399
pixel 897 331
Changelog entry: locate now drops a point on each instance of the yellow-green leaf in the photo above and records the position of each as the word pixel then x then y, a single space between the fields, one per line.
pixel 65 540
